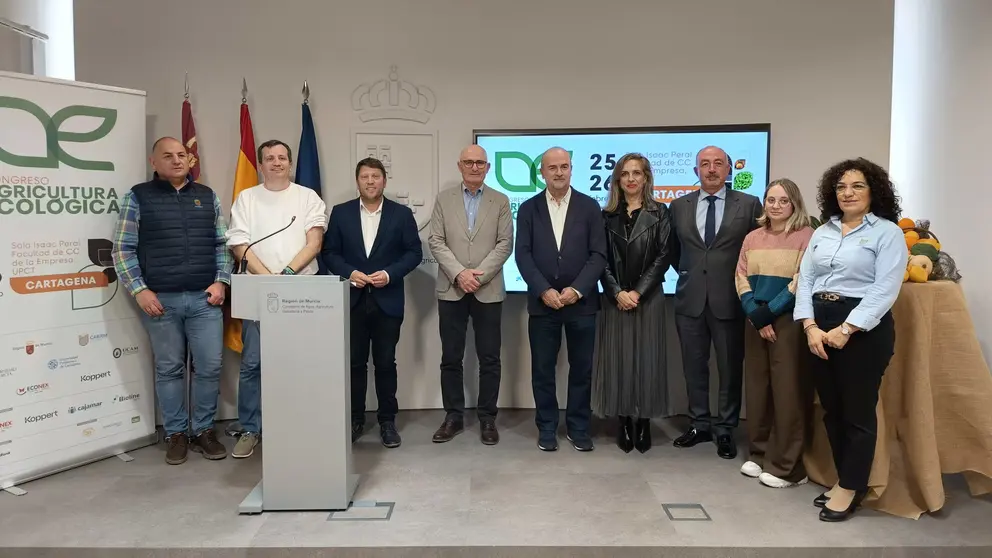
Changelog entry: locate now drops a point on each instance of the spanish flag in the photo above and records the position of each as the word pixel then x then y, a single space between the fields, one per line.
pixel 245 176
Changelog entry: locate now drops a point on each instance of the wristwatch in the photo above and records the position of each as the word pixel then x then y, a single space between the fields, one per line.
pixel 845 330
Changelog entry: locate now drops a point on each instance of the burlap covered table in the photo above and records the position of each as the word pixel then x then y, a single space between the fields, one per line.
pixel 934 409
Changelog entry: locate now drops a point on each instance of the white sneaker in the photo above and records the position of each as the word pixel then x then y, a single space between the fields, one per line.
pixel 772 481
pixel 751 469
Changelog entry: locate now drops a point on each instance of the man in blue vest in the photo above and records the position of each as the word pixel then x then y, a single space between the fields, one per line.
pixel 170 252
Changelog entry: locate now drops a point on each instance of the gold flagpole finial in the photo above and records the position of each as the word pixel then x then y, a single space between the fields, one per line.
pixel 186 93
pixel 244 90
pixel 306 92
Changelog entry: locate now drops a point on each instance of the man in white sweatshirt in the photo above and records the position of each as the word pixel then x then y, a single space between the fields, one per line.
pixel 260 211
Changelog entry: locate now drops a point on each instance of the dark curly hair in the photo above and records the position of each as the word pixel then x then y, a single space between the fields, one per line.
pixel 884 200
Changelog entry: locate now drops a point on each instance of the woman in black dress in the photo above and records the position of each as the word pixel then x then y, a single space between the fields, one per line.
pixel 629 374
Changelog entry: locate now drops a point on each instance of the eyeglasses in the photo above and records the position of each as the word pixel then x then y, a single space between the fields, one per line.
pixel 470 164
pixel 858 187
pixel 784 202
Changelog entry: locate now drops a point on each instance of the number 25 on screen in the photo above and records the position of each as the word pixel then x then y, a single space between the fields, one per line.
pixel 599 162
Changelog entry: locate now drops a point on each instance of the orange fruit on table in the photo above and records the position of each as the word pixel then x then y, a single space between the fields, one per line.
pixel 906 223
pixel 912 237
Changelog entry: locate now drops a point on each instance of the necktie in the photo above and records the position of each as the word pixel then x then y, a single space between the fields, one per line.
pixel 710 227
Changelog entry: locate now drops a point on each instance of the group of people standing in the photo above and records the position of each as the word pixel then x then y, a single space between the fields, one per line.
pixel 754 279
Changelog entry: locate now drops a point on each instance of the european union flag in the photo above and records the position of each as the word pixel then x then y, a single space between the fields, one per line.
pixel 308 165
pixel 307 160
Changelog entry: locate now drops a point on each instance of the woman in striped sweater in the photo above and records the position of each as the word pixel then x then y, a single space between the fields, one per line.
pixel 778 395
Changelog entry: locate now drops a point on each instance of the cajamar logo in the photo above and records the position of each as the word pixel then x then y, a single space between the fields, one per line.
pixel 55 136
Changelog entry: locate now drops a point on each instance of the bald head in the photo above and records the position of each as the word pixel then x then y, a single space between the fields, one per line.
pixel 712 168
pixel 555 153
pixel 473 163
pixel 169 160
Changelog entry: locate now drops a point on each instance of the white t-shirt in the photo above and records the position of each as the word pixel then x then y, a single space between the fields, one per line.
pixel 259 212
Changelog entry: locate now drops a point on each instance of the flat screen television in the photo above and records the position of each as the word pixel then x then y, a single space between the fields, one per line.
pixel 515 158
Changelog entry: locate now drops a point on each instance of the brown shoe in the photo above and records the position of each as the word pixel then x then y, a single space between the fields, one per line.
pixel 489 435
pixel 207 444
pixel 448 430
pixel 176 449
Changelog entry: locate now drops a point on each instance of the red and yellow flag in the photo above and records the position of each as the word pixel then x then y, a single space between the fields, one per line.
pixel 245 176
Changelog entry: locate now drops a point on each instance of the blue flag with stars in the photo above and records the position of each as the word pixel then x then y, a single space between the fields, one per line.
pixel 308 165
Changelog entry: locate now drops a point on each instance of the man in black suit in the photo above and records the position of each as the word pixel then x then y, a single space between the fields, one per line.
pixel 711 224
pixel 374 242
pixel 561 253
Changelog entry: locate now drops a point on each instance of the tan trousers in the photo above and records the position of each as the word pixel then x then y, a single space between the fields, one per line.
pixel 779 399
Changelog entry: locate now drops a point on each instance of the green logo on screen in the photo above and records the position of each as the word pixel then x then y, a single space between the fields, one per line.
pixel 523 167
pixel 55 137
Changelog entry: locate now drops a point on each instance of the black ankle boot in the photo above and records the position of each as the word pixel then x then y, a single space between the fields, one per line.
pixel 642 441
pixel 625 438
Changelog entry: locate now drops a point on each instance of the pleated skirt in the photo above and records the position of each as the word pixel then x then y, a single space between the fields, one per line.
pixel 630 372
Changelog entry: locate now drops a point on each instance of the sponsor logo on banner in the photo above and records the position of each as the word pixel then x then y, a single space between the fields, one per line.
pixel 85 407
pixel 85 338
pixel 87 432
pixel 117 424
pixel 128 397
pixel 125 351
pixel 7 410
pixel 69 362
pixel 5 372
pixel 135 419
pixel 36 388
pixel 94 377
pixel 5 448
pixel 6 425
pixel 273 303
pixel 40 418
pixel 30 347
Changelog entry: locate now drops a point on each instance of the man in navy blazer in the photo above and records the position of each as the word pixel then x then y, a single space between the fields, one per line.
pixel 561 253
pixel 374 242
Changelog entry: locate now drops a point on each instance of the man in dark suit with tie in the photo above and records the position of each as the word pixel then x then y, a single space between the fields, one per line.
pixel 374 242
pixel 561 253
pixel 711 224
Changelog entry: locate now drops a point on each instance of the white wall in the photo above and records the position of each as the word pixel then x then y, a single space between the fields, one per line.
pixel 54 18
pixel 819 72
pixel 941 119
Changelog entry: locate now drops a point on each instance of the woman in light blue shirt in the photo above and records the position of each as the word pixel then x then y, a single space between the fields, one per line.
pixel 849 279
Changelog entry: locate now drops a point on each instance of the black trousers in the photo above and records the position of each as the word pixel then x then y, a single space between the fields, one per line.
pixel 370 327
pixel 544 331
pixel 727 337
pixel 453 319
pixel 847 383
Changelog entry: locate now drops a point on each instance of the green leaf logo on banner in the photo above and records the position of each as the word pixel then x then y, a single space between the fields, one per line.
pixel 54 137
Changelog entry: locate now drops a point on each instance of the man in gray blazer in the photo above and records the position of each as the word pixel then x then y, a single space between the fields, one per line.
pixel 471 238
pixel 711 224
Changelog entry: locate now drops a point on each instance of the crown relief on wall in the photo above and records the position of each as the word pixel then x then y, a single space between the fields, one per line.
pixel 393 99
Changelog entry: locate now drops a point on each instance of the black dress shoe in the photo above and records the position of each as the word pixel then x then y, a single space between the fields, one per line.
pixel 625 439
pixel 489 435
pixel 642 439
pixel 831 516
pixel 821 500
pixel 692 437
pixel 357 429
pixel 725 446
pixel 390 437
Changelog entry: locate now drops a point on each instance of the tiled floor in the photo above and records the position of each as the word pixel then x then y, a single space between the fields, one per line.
pixel 463 494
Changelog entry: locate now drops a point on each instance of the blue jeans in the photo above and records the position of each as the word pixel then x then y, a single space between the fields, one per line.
pixel 188 319
pixel 250 380
pixel 545 341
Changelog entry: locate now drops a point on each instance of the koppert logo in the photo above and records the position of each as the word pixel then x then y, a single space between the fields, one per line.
pixel 525 165
pixel 55 137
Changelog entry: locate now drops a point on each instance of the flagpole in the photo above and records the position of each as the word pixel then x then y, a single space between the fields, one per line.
pixel 189 354
pixel 306 93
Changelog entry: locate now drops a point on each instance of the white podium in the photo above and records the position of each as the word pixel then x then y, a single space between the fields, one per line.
pixel 306 387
